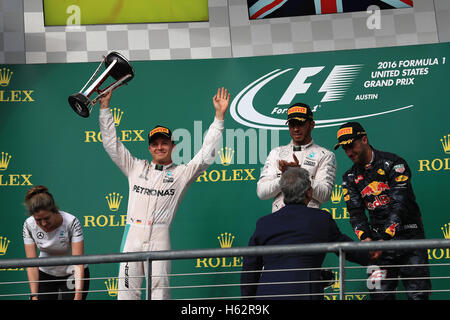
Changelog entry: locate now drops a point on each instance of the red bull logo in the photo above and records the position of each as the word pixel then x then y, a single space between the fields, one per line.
pixel 391 229
pixel 359 233
pixel 374 188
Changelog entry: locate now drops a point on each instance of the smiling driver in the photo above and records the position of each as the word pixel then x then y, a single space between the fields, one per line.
pixel 300 152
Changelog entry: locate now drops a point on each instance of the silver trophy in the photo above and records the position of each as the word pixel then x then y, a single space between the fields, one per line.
pixel 117 67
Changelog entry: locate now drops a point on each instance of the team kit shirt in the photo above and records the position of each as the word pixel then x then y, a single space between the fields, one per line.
pixel 318 161
pixel 155 191
pixel 384 189
pixel 55 243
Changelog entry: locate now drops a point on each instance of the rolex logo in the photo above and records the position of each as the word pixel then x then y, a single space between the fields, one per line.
pixel 4 161
pixel 225 240
pixel 336 194
pixel 437 164
pixel 12 95
pixel 226 155
pixel 336 285
pixel 114 200
pixel 446 230
pixel 445 143
pixel 5 77
pixel 112 286
pixel 117 115
pixel 441 253
pixel 4 243
pixel 15 179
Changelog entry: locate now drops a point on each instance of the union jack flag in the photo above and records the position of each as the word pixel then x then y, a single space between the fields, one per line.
pixel 259 9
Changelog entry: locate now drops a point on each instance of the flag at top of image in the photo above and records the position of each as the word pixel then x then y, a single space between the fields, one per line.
pixel 260 9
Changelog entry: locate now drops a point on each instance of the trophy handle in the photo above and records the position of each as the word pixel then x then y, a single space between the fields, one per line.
pixel 111 87
pixel 94 74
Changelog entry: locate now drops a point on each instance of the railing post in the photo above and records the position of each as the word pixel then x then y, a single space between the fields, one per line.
pixel 342 274
pixel 148 280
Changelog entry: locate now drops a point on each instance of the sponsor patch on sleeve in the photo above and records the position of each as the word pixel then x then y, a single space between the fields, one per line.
pixel 391 229
pixel 400 168
pixel 401 178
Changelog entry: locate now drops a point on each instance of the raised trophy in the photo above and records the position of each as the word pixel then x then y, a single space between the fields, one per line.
pixel 118 67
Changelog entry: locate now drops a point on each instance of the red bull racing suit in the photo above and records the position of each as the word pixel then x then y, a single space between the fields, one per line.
pixel 384 189
pixel 318 161
pixel 155 193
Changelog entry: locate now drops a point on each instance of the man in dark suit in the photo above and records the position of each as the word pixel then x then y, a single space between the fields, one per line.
pixel 293 224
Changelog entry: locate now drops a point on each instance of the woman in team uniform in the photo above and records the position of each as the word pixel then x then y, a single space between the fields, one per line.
pixel 54 233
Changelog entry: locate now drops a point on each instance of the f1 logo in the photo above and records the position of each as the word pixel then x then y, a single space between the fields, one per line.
pixel 334 86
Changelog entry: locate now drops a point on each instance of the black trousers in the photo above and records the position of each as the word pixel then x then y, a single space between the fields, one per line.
pixel 393 265
pixel 60 288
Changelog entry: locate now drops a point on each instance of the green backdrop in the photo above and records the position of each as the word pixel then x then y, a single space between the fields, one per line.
pixel 398 94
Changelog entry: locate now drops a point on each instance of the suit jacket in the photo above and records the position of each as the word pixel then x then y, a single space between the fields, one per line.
pixel 293 224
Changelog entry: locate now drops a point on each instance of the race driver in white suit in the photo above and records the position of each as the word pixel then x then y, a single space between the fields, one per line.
pixel 156 189
pixel 300 152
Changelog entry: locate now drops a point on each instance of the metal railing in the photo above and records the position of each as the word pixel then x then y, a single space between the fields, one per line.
pixel 147 257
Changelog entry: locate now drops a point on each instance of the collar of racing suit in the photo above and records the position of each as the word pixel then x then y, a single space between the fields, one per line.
pixel 302 147
pixel 161 167
pixel 372 160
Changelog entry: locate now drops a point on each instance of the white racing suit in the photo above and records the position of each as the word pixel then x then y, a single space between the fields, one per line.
pixel 318 161
pixel 154 196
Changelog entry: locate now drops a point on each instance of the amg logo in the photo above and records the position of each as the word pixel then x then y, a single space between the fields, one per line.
pixel 153 192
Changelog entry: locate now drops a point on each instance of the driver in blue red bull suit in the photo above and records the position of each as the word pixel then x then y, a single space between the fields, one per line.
pixel 380 182
pixel 156 189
